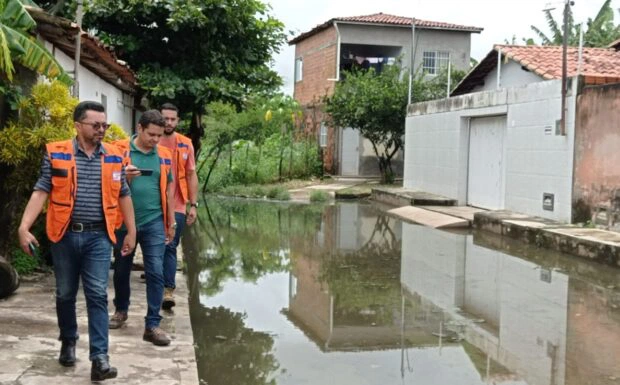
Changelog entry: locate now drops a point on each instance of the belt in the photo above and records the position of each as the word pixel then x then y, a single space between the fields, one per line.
pixel 77 227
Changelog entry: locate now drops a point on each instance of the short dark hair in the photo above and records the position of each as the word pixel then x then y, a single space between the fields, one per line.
pixel 169 106
pixel 152 117
pixel 79 113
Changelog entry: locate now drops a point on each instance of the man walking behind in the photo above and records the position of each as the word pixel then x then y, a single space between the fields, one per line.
pixel 150 178
pixel 85 181
pixel 186 189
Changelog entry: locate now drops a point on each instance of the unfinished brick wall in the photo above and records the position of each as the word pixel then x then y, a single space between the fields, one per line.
pixel 314 114
pixel 318 53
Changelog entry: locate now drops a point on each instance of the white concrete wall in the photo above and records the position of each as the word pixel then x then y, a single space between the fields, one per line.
pixel 524 307
pixel 92 87
pixel 433 264
pixel 513 75
pixel 536 160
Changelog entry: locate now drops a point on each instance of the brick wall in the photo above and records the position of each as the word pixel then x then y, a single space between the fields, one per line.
pixel 318 53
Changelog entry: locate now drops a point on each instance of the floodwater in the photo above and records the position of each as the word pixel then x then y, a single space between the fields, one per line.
pixel 295 294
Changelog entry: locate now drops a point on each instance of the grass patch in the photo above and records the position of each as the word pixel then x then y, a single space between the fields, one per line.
pixel 23 263
pixel 279 193
pixel 319 196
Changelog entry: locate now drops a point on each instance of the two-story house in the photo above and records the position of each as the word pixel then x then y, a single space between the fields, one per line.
pixel 324 53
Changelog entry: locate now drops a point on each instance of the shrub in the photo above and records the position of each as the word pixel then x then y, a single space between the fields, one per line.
pixel 23 263
pixel 45 116
pixel 319 196
pixel 278 193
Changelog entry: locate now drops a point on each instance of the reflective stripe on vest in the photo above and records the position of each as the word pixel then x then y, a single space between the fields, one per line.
pixel 64 187
pixel 182 153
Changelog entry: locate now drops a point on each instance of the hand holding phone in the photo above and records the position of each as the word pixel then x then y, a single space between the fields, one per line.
pixel 33 249
pixel 145 171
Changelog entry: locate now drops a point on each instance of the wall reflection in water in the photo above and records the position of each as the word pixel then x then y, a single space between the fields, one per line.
pixel 368 299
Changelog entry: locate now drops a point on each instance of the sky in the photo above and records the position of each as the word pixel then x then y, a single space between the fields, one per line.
pixel 501 19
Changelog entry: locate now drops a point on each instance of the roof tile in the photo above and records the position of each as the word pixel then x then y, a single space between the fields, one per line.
pixel 597 64
pixel 386 19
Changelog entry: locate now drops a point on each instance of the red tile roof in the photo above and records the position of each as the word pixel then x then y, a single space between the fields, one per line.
pixel 95 55
pixel 385 19
pixel 598 65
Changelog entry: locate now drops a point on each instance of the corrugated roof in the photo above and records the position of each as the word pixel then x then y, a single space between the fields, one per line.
pixel 599 65
pixel 96 56
pixel 386 19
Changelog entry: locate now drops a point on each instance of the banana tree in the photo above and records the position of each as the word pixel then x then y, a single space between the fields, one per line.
pixel 17 44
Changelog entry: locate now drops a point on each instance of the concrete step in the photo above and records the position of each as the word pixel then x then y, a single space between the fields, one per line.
pixel 428 218
pixel 399 196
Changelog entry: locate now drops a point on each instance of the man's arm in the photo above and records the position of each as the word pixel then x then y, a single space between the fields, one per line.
pixel 192 186
pixel 126 206
pixel 32 211
pixel 170 230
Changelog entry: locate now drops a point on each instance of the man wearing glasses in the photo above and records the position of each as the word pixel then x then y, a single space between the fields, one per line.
pixel 86 184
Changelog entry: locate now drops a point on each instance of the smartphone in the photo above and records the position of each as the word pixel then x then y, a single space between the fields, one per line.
pixel 145 171
pixel 33 249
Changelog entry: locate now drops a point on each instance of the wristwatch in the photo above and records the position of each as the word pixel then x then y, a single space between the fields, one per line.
pixel 195 204
pixel 174 225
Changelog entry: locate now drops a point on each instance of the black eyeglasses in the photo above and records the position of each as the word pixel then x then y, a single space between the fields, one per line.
pixel 97 125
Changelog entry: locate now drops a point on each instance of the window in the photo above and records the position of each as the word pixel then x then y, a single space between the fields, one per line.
pixel 323 135
pixel 434 61
pixel 299 67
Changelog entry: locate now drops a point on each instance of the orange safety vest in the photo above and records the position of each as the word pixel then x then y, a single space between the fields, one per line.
pixel 165 164
pixel 64 187
pixel 182 152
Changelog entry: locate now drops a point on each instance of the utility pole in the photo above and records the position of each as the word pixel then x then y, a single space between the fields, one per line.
pixel 567 4
pixel 78 49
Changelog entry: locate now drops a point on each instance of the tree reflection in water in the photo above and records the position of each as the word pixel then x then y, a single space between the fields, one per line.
pixel 228 352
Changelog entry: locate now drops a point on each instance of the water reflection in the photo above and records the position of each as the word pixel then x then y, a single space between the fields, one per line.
pixel 343 294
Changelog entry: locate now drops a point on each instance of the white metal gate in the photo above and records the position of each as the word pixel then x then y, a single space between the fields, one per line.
pixel 349 160
pixel 486 162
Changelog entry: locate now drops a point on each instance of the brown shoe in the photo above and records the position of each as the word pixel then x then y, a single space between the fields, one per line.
pixel 118 319
pixel 168 301
pixel 157 336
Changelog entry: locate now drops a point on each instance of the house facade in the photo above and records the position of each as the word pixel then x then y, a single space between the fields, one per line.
pixel 101 76
pixel 325 53
pixel 498 142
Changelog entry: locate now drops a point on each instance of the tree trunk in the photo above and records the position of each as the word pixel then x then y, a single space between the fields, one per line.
pixel 217 155
pixel 260 152
pixel 196 131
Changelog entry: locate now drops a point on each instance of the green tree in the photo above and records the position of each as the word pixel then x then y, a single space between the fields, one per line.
pixel 193 52
pixel 376 104
pixel 600 31
pixel 17 44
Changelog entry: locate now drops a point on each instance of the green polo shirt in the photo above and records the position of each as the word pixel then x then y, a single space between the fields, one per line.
pixel 145 189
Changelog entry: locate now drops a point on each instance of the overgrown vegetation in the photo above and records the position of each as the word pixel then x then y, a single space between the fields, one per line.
pixel 264 143
pixel 319 196
pixel 45 116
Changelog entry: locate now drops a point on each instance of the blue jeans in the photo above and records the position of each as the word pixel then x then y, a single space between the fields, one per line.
pixel 87 255
pixel 170 258
pixel 152 240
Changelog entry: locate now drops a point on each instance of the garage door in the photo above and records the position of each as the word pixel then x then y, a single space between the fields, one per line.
pixel 486 164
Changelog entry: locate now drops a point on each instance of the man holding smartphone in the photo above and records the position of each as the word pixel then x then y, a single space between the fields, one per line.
pixel 85 182
pixel 186 191
pixel 150 177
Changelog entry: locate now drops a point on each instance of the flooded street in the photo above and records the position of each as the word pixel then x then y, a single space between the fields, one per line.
pixel 295 294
